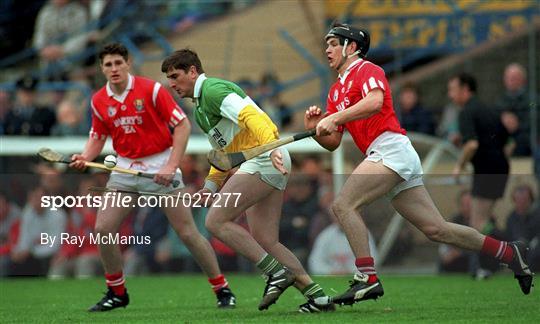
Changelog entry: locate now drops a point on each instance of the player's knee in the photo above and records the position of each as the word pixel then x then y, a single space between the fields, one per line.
pixel 436 232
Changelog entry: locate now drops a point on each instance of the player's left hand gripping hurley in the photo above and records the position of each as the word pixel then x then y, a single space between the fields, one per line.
pixel 224 161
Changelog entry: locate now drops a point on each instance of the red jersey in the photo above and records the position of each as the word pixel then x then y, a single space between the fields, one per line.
pixel 358 80
pixel 138 120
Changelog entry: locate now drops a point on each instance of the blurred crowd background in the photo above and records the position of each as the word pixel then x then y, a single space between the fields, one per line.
pixel 275 51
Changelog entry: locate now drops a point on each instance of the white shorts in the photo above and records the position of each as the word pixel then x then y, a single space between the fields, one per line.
pixel 397 153
pixel 262 165
pixel 148 164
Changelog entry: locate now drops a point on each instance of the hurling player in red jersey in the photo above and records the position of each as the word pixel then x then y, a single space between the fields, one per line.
pixel 138 114
pixel 361 102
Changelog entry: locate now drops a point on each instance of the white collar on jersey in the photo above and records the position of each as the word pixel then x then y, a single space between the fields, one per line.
pixel 348 70
pixel 124 94
pixel 198 85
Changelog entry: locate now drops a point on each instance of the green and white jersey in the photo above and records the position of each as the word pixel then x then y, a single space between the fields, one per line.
pixel 231 120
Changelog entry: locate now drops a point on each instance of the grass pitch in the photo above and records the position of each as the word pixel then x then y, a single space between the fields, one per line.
pixel 188 299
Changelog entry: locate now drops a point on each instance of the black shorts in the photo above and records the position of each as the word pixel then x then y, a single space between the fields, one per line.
pixel 489 186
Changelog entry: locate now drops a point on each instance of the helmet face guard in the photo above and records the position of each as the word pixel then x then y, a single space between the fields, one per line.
pixel 346 32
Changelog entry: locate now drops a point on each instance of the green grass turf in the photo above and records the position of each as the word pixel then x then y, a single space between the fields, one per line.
pixel 187 299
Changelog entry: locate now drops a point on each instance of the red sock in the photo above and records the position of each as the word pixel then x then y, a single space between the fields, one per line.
pixel 116 282
pixel 500 250
pixel 218 283
pixel 367 266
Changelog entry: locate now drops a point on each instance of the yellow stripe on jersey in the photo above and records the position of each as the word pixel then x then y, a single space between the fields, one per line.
pixel 259 125
pixel 257 129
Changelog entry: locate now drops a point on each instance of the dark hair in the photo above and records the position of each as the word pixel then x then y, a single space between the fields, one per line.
pixel 182 59
pixel 269 79
pixel 335 24
pixel 411 87
pixel 114 49
pixel 467 80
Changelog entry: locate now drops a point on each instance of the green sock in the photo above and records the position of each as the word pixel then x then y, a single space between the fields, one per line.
pixel 268 265
pixel 313 290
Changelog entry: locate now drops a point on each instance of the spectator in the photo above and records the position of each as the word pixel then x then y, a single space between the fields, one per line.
pixel 271 102
pixel 311 167
pixel 15 36
pixel 249 87
pixel 9 226
pixel 268 85
pixel 51 179
pixel 59 31
pixel 322 218
pixel 283 114
pixel 322 180
pixel 27 117
pixel 141 258
pixel 523 223
pixel 485 140
pixel 413 116
pixel 298 209
pixel 30 256
pixel 514 105
pixel 69 120
pixel 173 255
pixel 332 254
pixel 80 261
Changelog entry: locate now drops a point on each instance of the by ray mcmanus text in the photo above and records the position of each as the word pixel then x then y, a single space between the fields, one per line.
pixel 94 238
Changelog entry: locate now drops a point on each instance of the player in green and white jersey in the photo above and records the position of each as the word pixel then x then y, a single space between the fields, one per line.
pixel 233 122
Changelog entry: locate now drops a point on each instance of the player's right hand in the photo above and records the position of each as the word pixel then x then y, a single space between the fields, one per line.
pixel 78 162
pixel 312 117
pixel 277 161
